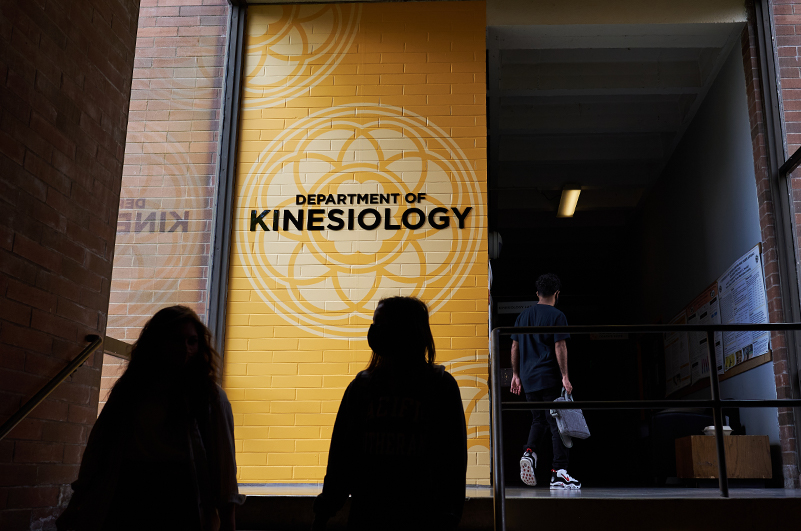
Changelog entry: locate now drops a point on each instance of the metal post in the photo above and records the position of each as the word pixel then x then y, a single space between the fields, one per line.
pixel 717 414
pixel 498 488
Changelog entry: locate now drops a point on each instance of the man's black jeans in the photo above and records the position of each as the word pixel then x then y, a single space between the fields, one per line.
pixel 542 421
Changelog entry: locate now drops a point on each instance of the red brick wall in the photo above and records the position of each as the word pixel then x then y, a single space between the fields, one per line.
pixel 770 257
pixel 65 78
pixel 170 167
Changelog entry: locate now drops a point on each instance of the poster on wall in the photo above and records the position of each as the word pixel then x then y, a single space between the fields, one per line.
pixel 677 356
pixel 743 301
pixel 704 310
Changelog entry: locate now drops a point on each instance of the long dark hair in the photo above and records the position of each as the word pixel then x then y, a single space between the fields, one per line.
pixel 400 334
pixel 152 362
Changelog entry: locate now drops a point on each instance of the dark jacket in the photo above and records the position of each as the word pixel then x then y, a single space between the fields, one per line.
pixel 399 448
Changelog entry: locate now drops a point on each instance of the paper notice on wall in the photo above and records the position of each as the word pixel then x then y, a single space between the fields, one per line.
pixel 677 357
pixel 704 310
pixel 743 301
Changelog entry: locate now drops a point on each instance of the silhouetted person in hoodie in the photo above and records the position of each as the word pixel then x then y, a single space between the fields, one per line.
pixel 399 446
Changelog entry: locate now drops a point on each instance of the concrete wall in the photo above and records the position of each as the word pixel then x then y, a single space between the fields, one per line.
pixel 702 215
pixel 65 81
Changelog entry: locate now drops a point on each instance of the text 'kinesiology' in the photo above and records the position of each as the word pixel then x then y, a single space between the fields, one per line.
pixel 318 219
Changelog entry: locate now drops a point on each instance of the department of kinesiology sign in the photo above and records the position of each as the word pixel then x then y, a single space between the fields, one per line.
pixel 326 172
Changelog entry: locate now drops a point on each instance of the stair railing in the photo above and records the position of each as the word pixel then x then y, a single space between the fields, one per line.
pixel 715 402
pixel 48 388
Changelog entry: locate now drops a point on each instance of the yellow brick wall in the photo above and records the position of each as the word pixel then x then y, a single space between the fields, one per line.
pixel 353 99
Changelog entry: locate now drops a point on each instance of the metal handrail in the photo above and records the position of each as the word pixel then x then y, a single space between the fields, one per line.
pixel 715 403
pixel 48 388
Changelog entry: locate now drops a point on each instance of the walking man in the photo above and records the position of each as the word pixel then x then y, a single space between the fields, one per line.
pixel 539 366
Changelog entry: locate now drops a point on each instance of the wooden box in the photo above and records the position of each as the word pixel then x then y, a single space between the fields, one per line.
pixel 747 456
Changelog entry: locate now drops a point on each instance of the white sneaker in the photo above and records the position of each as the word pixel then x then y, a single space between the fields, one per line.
pixel 528 463
pixel 560 479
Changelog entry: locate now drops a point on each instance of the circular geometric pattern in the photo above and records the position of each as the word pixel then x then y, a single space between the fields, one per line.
pixel 328 281
pixel 291 48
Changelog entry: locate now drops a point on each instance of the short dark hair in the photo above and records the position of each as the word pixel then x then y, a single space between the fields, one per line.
pixel 548 284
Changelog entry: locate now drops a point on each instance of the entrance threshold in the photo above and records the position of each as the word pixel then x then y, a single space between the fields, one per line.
pixel 313 489
pixel 651 493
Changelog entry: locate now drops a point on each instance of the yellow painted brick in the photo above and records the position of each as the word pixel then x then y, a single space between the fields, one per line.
pixel 311 445
pixel 448 98
pixel 479 419
pixel 430 89
pixel 296 406
pixel 246 459
pixel 468 317
pixel 468 132
pixel 292 459
pixel 316 419
pixel 269 445
pixel 270 394
pixel 385 89
pixel 272 368
pixel 329 406
pixel 285 331
pixel 297 381
pixel 310 356
pixel 235 394
pixel 235 344
pixel 266 319
pixel 252 432
pixel 336 381
pixel 269 419
pixel 236 320
pixel 323 368
pixel 382 68
pixel 333 356
pixel 358 58
pixel 247 356
pixel 451 78
pixel 475 472
pixel 468 342
pixel 235 369
pixel 453 330
pixel 295 432
pixel 357 366
pixel 309 472
pixel 313 343
pixel 342 80
pixel 250 406
pixel 246 381
pixel 321 394
pixel 471 88
pixel 249 332
pixel 333 91
pixel 255 474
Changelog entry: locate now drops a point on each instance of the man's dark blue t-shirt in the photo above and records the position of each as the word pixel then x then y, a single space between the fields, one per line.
pixel 538 366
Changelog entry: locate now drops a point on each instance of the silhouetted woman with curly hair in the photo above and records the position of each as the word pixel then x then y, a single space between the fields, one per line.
pixel 161 454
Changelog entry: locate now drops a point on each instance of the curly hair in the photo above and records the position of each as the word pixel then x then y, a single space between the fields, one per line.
pixel 152 360
pixel 400 333
pixel 548 284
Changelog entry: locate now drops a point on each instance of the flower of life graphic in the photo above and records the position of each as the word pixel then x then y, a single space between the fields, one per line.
pixel 327 282
pixel 291 48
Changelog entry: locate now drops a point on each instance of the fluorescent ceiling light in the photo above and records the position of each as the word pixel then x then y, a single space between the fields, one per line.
pixel 567 205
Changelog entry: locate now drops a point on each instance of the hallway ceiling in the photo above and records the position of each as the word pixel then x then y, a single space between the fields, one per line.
pixel 603 106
